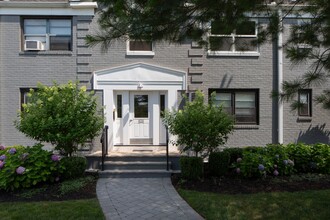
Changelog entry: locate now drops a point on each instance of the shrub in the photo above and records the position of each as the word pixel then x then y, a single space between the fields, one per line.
pixel 199 127
pixel 25 167
pixel 234 153
pixel 219 163
pixel 74 167
pixel 262 161
pixel 63 115
pixel 191 167
pixel 301 154
pixel 320 160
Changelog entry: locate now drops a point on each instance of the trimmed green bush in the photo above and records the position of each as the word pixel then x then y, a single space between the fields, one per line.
pixel 24 167
pixel 234 153
pixel 320 161
pixel 219 163
pixel 74 167
pixel 191 167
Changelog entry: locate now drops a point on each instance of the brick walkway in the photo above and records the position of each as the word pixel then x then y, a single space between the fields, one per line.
pixel 142 198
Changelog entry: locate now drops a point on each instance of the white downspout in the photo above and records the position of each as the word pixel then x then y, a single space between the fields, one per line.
pixel 280 78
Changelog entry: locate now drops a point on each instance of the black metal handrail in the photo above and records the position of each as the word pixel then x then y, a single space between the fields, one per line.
pixel 167 153
pixel 104 142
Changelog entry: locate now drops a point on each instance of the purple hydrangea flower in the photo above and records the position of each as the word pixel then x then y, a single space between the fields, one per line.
pixel 55 157
pixel 57 179
pixel 238 170
pixel 2 147
pixel 239 160
pixel 261 167
pixel 1 164
pixel 2 157
pixel 20 170
pixel 275 173
pixel 285 162
pixel 12 151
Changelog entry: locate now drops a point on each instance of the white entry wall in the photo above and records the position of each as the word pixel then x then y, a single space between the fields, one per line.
pixel 133 97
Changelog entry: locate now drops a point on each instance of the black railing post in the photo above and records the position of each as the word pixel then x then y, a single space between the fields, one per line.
pixel 106 139
pixel 167 154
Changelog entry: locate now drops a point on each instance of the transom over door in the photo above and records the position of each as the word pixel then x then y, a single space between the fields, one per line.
pixel 140 111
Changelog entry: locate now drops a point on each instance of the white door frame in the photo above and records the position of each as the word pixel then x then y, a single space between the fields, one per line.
pixel 137 77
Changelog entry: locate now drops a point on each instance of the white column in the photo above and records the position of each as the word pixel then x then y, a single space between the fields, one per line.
pixel 172 104
pixel 126 117
pixel 155 112
pixel 109 106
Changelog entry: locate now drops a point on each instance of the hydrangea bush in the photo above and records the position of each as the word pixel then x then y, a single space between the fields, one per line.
pixel 22 167
pixel 280 160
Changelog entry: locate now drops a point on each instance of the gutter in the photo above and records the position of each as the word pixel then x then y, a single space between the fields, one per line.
pixel 280 78
pixel 74 5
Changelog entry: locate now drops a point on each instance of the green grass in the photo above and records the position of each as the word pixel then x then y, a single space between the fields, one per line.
pixel 74 209
pixel 285 205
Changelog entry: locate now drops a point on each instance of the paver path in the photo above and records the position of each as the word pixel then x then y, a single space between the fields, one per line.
pixel 142 198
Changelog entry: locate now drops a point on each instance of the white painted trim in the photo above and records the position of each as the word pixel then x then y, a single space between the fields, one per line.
pixel 280 79
pixel 48 8
pixel 47 11
pixel 140 53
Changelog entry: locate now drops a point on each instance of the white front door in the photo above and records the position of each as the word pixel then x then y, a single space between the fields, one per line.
pixel 140 118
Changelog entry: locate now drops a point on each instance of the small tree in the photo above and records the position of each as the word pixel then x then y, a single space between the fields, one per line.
pixel 63 115
pixel 199 127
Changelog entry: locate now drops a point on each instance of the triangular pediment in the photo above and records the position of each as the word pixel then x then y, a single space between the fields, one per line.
pixel 139 73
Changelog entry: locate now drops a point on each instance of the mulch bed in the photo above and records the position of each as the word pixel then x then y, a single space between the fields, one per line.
pixel 235 185
pixel 48 192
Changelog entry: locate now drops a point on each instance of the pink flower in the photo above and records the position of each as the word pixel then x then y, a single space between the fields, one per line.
pixel 55 157
pixel 2 147
pixel 275 173
pixel 20 170
pixel 1 164
pixel 239 160
pixel 57 179
pixel 238 170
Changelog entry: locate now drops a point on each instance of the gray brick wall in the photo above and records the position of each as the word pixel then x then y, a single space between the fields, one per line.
pixel 22 69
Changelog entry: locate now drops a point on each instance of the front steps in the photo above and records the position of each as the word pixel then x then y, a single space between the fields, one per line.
pixel 139 166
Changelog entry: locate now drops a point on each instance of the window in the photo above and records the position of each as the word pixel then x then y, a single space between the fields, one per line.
pixel 47 34
pixel 242 39
pixel 241 104
pixel 119 106
pixel 140 47
pixel 305 102
pixel 24 96
pixel 140 106
pixel 162 105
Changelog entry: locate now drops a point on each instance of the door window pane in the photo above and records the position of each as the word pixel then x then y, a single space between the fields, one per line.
pixel 119 106
pixel 141 106
pixel 162 105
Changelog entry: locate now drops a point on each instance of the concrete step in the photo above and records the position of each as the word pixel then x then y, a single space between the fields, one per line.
pixel 135 165
pixel 134 173
pixel 136 158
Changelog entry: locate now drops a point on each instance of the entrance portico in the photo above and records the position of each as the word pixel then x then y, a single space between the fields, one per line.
pixel 134 96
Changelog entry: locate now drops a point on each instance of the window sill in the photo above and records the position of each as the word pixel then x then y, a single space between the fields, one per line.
pixel 304 119
pixel 249 127
pixel 45 53
pixel 232 54
pixel 140 53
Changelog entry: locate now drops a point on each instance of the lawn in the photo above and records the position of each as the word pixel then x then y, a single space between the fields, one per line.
pixel 313 204
pixel 52 210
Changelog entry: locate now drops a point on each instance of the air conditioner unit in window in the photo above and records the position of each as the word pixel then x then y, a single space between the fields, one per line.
pixel 33 45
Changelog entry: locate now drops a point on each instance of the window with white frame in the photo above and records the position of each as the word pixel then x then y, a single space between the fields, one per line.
pixel 47 34
pixel 139 47
pixel 242 104
pixel 305 102
pixel 242 39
